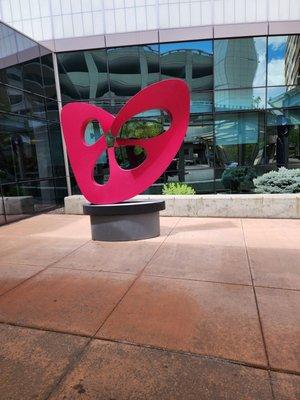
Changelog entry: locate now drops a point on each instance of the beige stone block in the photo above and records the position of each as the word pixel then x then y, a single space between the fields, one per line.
pixel 279 206
pixel 74 204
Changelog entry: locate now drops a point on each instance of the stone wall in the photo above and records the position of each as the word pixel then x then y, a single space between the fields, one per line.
pixel 216 205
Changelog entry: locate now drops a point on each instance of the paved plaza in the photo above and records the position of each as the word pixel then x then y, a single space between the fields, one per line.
pixel 208 310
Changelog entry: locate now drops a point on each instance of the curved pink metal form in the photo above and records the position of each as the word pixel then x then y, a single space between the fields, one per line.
pixel 170 95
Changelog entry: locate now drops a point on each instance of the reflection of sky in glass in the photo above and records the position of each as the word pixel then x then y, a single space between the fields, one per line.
pixel 283 96
pixel 240 99
pixel 151 47
pixel 232 129
pixel 260 75
pixel 276 60
pixel 203 45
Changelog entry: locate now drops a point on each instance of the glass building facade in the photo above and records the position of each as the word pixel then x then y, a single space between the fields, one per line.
pixel 245 101
pixel 32 173
pixel 245 111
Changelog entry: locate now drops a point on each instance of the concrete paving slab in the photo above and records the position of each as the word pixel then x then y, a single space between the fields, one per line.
pixel 64 300
pixel 199 317
pixel 32 361
pixel 280 316
pixel 118 371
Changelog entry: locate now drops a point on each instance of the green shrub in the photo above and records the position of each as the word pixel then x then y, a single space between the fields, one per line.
pixel 178 188
pixel 238 178
pixel 281 181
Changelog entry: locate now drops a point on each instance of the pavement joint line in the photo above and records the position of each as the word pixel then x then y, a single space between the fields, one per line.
pixel 196 280
pixel 93 270
pixel 258 311
pixel 152 347
pixel 42 270
pixel 144 274
pixel 277 288
pixel 220 282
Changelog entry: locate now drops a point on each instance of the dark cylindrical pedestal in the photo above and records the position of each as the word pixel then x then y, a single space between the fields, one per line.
pixel 134 220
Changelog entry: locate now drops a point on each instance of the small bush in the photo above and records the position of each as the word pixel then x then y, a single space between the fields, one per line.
pixel 281 181
pixel 237 178
pixel 178 188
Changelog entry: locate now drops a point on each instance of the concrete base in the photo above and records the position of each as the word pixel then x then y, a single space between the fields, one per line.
pixel 15 205
pixel 215 205
pixel 124 221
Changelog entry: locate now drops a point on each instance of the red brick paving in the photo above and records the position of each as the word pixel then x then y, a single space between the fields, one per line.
pixel 175 317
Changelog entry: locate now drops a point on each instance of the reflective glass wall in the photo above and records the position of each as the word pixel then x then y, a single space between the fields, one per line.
pixel 245 102
pixel 32 174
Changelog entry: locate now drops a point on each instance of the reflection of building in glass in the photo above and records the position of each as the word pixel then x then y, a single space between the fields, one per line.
pixel 32 170
pixel 236 63
pixel 292 60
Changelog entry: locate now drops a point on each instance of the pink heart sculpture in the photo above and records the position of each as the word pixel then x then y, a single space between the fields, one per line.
pixel 171 96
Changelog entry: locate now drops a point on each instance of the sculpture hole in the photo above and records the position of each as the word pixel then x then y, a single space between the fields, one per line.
pixel 146 125
pixel 93 132
pixel 101 169
pixel 129 157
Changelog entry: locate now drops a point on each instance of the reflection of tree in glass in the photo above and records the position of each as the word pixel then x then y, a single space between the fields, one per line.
pixel 132 156
pixel 138 129
pixel 256 101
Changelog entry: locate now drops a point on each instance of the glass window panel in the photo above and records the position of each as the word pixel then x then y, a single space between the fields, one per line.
pixel 240 63
pixel 125 70
pixel 144 125
pixel 12 100
pixel 104 103
pixel 56 150
pixel 198 143
pixel 283 96
pixel 30 64
pixel 192 61
pixel 25 152
pixel 48 74
pixel 8 54
pixel 35 105
pixel 239 139
pixel 283 60
pixel 40 196
pixel 283 137
pixel 73 75
pixel 149 59
pixel 52 110
pixel 201 102
pixel 97 66
pixel 83 74
pixel 240 99
pixel 93 132
pixel 18 102
pixel 8 51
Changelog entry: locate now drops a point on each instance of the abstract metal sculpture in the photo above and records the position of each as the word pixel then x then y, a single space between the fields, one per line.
pixel 171 96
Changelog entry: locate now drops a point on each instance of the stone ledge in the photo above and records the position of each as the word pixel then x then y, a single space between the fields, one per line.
pixel 215 205
pixel 14 205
